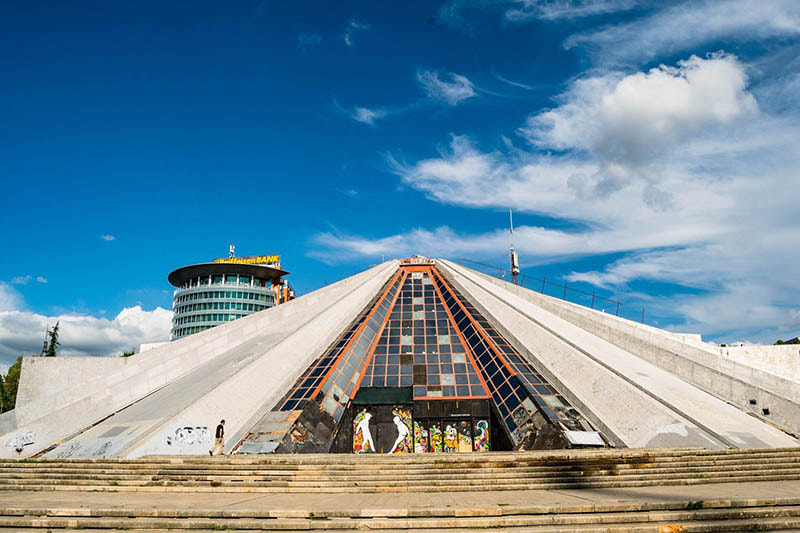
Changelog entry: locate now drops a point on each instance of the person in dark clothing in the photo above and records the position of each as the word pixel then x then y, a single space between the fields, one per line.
pixel 219 439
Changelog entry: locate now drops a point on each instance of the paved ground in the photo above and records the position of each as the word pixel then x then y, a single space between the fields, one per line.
pixel 454 503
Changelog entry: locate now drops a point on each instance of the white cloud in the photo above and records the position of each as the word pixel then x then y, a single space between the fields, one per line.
pixel 632 118
pixel 512 82
pixel 688 24
pixel 464 14
pixel 676 167
pixel 351 29
pixel 107 237
pixel 368 116
pixel 22 332
pixel 24 280
pixel 564 9
pixel 10 298
pixel 306 41
pixel 451 92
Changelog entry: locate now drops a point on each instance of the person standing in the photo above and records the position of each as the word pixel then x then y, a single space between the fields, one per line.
pixel 219 439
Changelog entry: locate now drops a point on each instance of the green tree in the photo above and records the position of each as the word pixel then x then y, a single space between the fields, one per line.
pixel 53 341
pixel 3 395
pixel 128 354
pixel 11 384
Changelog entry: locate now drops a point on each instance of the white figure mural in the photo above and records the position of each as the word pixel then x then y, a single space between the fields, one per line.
pixel 402 433
pixel 362 437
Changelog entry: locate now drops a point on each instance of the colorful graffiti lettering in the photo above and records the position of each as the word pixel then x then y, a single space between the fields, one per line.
pixel 464 436
pixel 362 437
pixel 481 436
pixel 420 438
pixel 436 437
pixel 450 438
pixel 402 421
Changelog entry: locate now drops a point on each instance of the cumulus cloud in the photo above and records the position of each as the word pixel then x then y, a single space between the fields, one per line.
pixel 41 279
pixel 107 237
pixel 306 41
pixel 454 88
pixel 22 332
pixel 676 168
pixel 683 26
pixel 351 29
pixel 632 118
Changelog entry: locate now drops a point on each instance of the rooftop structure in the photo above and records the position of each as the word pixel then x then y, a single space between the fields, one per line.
pixel 411 356
pixel 209 294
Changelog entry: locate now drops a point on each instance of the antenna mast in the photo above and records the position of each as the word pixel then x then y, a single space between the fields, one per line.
pixel 513 253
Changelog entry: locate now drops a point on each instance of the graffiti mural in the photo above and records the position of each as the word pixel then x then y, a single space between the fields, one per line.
pixel 402 420
pixel 450 438
pixel 362 437
pixel 190 435
pixel 420 437
pixel 481 435
pixel 435 437
pixel 464 436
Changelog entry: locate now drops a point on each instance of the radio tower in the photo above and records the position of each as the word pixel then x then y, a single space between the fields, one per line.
pixel 513 253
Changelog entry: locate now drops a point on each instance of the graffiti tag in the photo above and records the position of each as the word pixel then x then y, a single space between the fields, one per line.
pixel 21 439
pixel 190 435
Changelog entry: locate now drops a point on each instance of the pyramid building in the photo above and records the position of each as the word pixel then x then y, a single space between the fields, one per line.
pixel 410 356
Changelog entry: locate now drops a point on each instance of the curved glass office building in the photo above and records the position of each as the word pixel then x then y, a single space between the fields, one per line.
pixel 213 293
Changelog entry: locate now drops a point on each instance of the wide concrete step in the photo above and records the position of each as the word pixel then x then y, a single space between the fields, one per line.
pixel 306 461
pixel 681 516
pixel 790 464
pixel 548 477
pixel 217 488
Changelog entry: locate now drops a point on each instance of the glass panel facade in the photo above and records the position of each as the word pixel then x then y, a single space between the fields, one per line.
pixel 420 347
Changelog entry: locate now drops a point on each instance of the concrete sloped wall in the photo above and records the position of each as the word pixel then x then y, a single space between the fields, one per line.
pixel 782 361
pixel 630 399
pixel 699 363
pixel 62 415
pixel 51 377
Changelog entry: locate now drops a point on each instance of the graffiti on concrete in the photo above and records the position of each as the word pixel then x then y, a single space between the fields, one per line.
pixel 190 435
pixel 21 439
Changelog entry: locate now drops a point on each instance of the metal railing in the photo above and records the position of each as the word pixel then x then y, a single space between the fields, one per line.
pixel 541 285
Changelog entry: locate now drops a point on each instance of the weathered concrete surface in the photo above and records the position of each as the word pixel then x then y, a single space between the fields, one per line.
pixel 640 403
pixel 52 419
pixel 411 503
pixel 44 377
pixel 180 417
pixel 782 361
pixel 750 387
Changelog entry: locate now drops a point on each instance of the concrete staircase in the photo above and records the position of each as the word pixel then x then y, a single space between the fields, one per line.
pixel 411 473
pixel 683 516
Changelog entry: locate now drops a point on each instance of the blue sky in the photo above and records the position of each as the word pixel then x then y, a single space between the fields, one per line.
pixel 649 152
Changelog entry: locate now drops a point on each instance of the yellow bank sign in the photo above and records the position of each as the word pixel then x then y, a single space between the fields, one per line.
pixel 274 259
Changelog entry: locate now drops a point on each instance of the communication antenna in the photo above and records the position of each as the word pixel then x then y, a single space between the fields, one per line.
pixel 513 252
pixel 232 250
